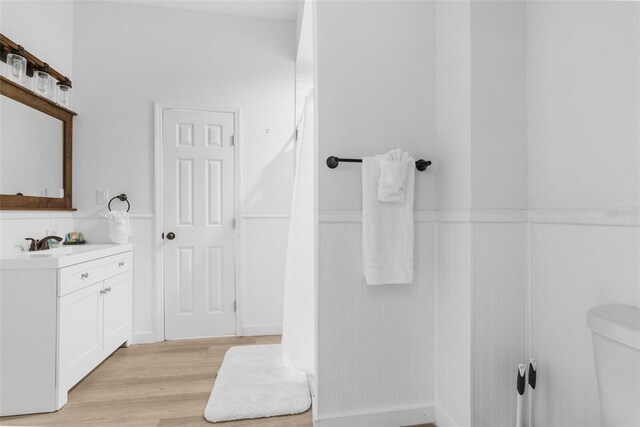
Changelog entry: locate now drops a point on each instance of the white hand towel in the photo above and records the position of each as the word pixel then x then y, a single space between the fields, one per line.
pixel 387 229
pixel 393 175
pixel 119 226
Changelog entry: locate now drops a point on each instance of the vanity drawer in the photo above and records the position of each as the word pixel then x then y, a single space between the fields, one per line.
pixel 78 276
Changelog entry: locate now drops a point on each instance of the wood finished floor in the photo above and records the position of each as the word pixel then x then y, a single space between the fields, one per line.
pixel 164 384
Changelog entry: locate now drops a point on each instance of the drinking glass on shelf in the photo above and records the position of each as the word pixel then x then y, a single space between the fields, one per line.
pixel 42 84
pixel 64 95
pixel 16 68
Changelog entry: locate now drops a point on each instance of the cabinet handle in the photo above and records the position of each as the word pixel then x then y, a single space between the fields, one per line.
pixel 108 289
pixel 102 291
pixel 121 264
pixel 84 275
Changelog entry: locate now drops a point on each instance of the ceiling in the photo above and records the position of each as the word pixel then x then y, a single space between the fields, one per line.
pixel 284 10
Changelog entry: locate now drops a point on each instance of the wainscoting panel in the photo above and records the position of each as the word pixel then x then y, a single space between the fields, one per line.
pixel 498 327
pixel 264 252
pixel 453 284
pixel 376 343
pixel 574 268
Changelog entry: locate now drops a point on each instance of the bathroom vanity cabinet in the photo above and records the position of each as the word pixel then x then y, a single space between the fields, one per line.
pixel 62 312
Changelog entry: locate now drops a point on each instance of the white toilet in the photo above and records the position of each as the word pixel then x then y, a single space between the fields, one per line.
pixel 616 344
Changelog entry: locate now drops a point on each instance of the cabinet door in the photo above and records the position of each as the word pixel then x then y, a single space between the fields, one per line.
pixel 117 311
pixel 80 334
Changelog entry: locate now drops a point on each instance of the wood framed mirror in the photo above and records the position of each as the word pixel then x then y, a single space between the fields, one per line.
pixel 35 151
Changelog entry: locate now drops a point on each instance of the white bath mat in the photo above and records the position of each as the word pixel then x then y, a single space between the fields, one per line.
pixel 254 383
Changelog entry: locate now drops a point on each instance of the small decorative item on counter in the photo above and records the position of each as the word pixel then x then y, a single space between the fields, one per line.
pixel 74 238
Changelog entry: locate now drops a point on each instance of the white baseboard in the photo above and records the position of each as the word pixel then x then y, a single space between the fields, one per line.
pixel 443 419
pixel 384 418
pixel 144 338
pixel 258 330
pixel 248 331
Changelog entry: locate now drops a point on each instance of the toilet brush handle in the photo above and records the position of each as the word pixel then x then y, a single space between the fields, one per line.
pixel 532 377
pixel 520 386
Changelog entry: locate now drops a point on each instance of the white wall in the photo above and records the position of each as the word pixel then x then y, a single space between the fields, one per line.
pixel 583 111
pixel 376 344
pixel 498 105
pixel 481 105
pixel 554 222
pixel 452 167
pixel 375 91
pixel 46 30
pixel 469 105
pixel 482 193
pixel 304 59
pixel 452 157
pixel 200 58
pixel 179 56
pixel 583 85
pixel 265 248
pixel 499 320
pixel 499 186
pixel 453 306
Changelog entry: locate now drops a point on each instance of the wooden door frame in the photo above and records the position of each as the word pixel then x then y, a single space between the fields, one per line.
pixel 159 289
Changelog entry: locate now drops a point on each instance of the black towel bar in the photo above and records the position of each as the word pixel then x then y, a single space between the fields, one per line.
pixel 333 162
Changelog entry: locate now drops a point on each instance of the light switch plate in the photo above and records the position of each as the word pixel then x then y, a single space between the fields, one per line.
pixel 102 196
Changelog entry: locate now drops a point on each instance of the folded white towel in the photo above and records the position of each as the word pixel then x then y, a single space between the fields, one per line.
pixel 387 229
pixel 119 226
pixel 393 175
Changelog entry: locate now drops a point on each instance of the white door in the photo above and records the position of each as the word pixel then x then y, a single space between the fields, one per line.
pixel 198 220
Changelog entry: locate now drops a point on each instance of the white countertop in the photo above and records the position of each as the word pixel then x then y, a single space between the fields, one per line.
pixel 60 257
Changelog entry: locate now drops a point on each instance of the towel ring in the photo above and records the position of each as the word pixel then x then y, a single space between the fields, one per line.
pixel 123 198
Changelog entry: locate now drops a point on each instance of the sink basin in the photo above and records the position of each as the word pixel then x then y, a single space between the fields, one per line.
pixel 34 255
pixel 47 253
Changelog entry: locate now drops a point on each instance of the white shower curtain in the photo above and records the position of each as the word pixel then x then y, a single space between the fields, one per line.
pixel 298 331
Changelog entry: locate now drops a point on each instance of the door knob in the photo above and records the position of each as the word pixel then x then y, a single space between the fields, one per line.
pixel 171 235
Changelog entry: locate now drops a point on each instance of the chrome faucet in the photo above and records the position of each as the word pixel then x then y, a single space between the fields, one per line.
pixel 42 244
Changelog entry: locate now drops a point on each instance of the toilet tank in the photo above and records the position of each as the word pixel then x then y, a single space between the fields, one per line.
pixel 616 344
